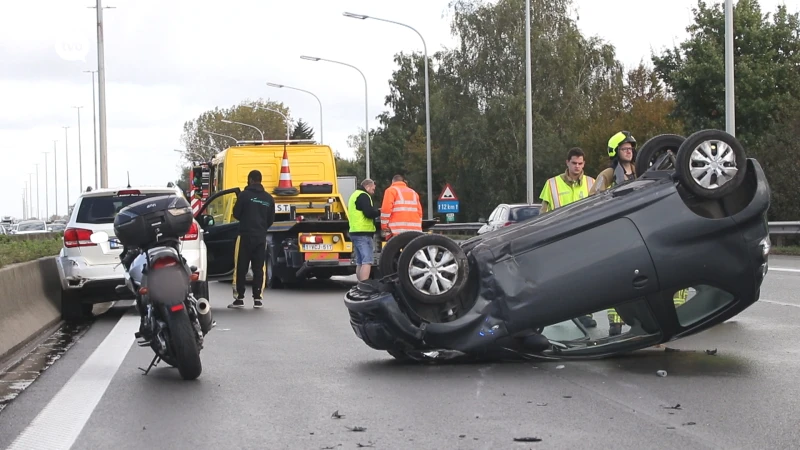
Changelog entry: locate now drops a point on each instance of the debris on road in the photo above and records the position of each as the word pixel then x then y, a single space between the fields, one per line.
pixel 690 423
pixel 336 415
pixel 677 406
pixel 527 439
pixel 560 366
pixel 661 373
pixel 711 352
pixel 368 444
pixel 356 428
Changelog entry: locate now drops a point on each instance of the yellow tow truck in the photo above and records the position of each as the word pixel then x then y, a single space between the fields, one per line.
pixel 309 237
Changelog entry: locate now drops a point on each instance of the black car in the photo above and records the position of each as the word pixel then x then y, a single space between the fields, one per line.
pixel 680 249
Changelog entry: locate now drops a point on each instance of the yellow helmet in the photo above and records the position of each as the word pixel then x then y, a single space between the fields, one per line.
pixel 619 139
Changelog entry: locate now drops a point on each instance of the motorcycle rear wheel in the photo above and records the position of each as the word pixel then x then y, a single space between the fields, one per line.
pixel 183 346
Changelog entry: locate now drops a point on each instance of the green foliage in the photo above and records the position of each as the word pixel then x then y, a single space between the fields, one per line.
pixel 14 250
pixel 302 131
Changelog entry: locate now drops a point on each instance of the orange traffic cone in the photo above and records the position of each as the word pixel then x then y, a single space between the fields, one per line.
pixel 285 181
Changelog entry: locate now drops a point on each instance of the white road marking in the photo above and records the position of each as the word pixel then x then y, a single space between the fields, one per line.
pixel 775 302
pixel 782 269
pixel 60 423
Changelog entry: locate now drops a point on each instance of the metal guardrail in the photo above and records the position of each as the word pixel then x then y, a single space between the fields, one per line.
pixel 779 228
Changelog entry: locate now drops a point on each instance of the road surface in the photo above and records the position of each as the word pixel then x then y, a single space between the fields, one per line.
pixel 273 378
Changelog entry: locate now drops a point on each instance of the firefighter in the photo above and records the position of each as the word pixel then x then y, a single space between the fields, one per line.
pixel 401 209
pixel 566 188
pixel 622 152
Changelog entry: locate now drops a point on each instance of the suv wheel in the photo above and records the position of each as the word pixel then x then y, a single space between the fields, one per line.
pixel 73 310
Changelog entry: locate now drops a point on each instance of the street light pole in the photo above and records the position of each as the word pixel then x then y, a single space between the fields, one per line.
pixel 366 101
pixel 307 92
pixel 246 125
pixel 46 189
pixel 80 157
pixel 217 134
pixel 101 93
pixel 30 195
pixel 427 104
pixel 288 123
pixel 94 130
pixel 38 193
pixel 730 110
pixel 66 151
pixel 55 170
pixel 528 106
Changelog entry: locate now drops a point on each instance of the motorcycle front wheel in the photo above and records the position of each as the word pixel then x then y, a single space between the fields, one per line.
pixel 183 345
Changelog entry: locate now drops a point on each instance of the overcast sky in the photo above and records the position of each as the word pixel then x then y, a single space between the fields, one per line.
pixel 169 61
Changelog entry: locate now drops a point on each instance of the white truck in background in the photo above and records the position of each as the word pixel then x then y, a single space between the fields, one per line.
pixel 347 185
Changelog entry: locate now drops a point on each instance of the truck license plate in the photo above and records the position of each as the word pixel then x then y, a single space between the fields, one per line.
pixel 308 247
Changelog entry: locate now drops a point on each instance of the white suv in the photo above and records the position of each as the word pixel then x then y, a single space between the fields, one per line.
pixel 91 273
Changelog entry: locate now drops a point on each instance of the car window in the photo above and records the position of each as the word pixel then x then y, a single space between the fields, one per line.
pixel 221 208
pixel 100 210
pixel 494 214
pixel 524 213
pixel 32 226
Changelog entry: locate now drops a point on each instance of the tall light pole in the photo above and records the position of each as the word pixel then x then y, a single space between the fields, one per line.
pixel 730 110
pixel 101 83
pixel 307 92
pixel 217 134
pixel 427 105
pixel 66 151
pixel 38 193
pixel 24 205
pixel 94 131
pixel 55 170
pixel 288 122
pixel 246 125
pixel 30 195
pixel 46 188
pixel 366 101
pixel 528 106
pixel 80 157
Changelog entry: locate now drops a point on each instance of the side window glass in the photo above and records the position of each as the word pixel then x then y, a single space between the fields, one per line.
pixel 696 303
pixel 493 216
pixel 221 209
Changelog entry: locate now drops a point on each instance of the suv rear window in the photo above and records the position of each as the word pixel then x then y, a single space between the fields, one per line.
pixel 523 213
pixel 99 210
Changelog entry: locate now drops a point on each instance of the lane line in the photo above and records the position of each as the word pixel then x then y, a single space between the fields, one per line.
pixel 60 423
pixel 782 269
pixel 775 302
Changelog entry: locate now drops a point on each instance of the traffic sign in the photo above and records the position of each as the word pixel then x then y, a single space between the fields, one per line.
pixel 448 193
pixel 448 206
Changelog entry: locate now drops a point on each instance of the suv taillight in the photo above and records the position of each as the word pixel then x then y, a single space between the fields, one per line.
pixel 77 237
pixel 192 234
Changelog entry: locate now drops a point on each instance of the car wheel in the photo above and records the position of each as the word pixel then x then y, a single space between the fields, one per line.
pixel 433 269
pixel 73 310
pixel 387 264
pixel 654 149
pixel 711 164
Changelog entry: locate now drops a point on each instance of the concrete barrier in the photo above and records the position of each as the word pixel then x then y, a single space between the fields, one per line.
pixel 30 302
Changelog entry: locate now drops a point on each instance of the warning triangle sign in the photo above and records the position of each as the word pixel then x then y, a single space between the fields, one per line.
pixel 447 193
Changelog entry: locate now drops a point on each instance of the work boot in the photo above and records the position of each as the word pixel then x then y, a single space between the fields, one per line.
pixel 615 329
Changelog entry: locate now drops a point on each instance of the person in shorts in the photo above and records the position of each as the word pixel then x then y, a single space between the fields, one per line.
pixel 361 213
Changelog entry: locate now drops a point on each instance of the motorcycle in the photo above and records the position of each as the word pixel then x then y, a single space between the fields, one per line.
pixel 173 322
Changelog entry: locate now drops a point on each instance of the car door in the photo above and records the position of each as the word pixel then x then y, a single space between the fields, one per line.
pixel 220 231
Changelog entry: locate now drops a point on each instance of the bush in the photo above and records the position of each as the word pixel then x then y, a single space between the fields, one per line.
pixel 13 250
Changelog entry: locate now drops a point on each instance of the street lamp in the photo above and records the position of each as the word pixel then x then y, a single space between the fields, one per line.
pixel 307 92
pixel 80 151
pixel 38 193
pixel 46 188
pixel 217 134
pixel 730 111
pixel 528 106
pixel 366 99
pixel 55 172
pixel 288 122
pixel 189 153
pixel 30 195
pixel 94 131
pixel 246 125
pixel 66 151
pixel 427 104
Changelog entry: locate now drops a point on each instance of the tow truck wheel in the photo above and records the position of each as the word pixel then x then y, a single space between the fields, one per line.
pixel 654 149
pixel 387 264
pixel 433 269
pixel 273 281
pixel 711 164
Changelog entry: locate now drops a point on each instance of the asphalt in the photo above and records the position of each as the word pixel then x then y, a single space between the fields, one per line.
pixel 273 378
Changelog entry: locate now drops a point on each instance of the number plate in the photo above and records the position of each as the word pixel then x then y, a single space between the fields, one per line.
pixel 317 247
pixel 283 208
pixel 113 245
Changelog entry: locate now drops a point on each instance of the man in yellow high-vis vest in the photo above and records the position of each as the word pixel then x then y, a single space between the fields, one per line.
pixel 566 188
pixel 361 213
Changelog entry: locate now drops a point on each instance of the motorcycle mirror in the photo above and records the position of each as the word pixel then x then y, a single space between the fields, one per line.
pixel 99 237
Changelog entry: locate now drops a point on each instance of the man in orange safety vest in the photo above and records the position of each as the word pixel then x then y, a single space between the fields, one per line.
pixel 401 209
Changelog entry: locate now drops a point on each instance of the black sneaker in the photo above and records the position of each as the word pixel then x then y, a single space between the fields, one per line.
pixel 257 303
pixel 238 303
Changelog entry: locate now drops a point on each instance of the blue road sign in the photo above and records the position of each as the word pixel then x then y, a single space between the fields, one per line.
pixel 448 206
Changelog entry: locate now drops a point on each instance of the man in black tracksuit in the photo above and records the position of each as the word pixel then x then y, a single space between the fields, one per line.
pixel 255 211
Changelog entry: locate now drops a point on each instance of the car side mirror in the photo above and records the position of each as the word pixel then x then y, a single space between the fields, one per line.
pixel 206 220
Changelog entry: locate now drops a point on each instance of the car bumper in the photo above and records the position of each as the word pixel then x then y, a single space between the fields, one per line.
pixel 76 274
pixel 377 320
pixel 194 258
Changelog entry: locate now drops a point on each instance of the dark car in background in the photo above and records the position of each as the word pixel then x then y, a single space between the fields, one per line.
pixel 680 249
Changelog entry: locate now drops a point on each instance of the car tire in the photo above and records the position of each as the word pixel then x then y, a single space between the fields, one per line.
pixel 654 148
pixel 421 247
pixel 73 310
pixel 387 263
pixel 733 157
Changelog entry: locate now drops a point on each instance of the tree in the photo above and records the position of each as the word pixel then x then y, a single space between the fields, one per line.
pixel 302 131
pixel 766 61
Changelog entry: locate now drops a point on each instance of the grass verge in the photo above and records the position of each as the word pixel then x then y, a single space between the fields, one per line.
pixel 13 251
pixel 789 250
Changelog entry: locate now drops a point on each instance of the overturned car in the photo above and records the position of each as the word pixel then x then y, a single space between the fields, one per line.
pixel 694 222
